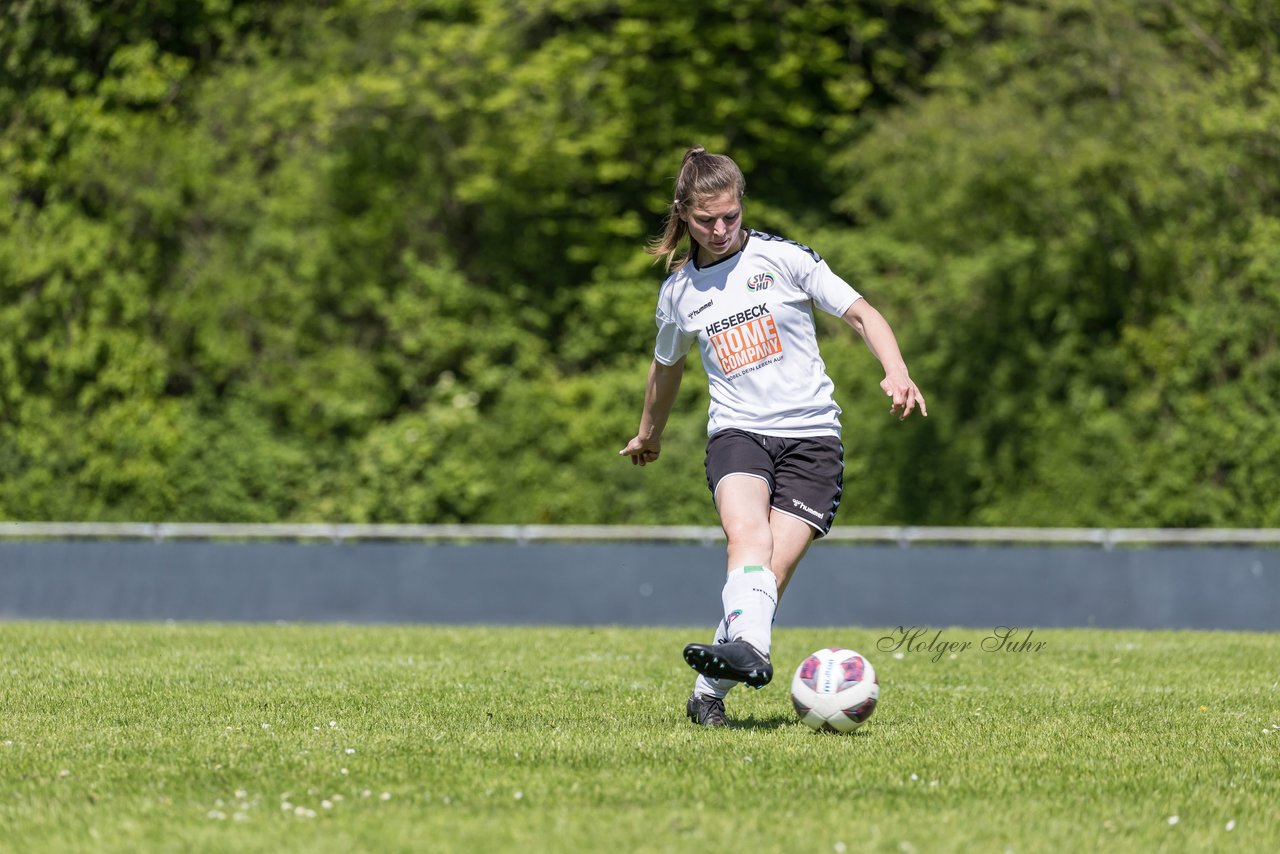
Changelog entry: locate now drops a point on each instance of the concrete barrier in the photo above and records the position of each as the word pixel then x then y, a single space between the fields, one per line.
pixel 644 583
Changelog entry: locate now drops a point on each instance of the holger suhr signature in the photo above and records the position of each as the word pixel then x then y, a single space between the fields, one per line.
pixel 916 639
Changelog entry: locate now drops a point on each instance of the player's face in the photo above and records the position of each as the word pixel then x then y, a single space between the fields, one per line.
pixel 715 225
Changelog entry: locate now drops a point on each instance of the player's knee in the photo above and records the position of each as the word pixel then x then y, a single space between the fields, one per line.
pixel 754 538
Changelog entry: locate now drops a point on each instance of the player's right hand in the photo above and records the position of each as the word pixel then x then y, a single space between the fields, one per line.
pixel 642 451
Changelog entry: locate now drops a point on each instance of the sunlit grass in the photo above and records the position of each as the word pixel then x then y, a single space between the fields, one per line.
pixel 341 738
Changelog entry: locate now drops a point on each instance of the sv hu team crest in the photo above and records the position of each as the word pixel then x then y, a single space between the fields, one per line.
pixel 760 282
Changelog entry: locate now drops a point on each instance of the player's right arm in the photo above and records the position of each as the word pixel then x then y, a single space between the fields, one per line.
pixel 659 397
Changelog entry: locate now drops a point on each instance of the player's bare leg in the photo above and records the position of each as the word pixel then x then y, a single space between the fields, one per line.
pixel 791 538
pixel 743 502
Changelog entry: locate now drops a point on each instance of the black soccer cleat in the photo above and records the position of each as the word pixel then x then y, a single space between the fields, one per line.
pixel 706 711
pixel 736 660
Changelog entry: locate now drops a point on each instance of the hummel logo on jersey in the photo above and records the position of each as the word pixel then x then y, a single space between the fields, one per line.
pixel 760 282
pixel 700 309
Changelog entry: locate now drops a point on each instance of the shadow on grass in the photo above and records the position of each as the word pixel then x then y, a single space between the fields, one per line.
pixel 770 722
pixel 783 722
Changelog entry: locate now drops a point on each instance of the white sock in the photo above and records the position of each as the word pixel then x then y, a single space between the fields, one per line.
pixel 718 688
pixel 750 599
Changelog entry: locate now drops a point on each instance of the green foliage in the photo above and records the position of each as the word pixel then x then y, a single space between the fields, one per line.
pixel 383 261
pixel 1072 226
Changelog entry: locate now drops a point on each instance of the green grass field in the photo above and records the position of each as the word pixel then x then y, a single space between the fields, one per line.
pixel 342 738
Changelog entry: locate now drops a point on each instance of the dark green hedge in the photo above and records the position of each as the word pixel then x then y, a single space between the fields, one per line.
pixel 376 260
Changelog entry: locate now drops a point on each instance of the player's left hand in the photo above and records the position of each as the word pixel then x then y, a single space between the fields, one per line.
pixel 906 397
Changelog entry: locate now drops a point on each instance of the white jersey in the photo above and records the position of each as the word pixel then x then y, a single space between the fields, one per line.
pixel 752 316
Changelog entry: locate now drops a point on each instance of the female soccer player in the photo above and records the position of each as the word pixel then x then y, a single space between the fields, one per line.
pixel 774 458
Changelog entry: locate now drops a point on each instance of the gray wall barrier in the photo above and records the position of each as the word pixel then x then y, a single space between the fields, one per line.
pixel 871 577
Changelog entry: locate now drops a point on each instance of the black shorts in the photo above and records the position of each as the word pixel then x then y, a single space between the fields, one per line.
pixel 805 476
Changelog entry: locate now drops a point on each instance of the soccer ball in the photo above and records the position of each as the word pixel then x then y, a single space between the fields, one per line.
pixel 835 690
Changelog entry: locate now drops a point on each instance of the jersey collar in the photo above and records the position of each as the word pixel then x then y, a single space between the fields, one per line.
pixel 746 236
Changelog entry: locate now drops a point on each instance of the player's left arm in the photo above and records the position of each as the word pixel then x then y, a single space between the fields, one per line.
pixel 876 332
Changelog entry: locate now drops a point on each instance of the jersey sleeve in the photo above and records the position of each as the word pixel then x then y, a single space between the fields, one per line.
pixel 673 343
pixel 830 293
